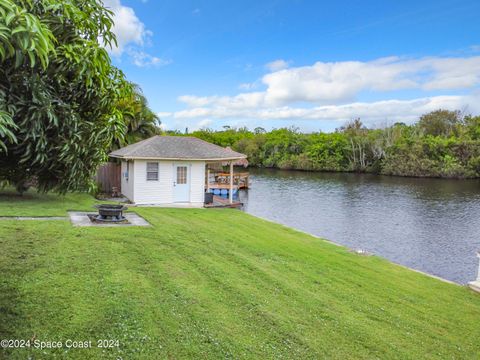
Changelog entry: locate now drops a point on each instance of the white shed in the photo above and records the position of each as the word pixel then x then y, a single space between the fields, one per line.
pixel 169 170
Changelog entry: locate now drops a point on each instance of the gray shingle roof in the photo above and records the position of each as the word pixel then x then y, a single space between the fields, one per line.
pixel 176 148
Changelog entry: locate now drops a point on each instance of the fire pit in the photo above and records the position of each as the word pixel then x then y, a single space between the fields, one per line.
pixel 110 213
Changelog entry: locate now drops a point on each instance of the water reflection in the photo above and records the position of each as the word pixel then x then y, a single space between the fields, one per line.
pixel 427 224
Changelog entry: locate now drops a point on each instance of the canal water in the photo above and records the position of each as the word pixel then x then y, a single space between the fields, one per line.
pixel 432 225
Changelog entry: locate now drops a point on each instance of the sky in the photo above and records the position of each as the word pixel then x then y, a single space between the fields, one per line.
pixel 314 65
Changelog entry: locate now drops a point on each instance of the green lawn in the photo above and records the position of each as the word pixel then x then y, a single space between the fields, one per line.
pixel 33 203
pixel 217 284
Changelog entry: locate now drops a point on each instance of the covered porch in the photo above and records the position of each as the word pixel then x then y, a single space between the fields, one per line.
pixel 224 185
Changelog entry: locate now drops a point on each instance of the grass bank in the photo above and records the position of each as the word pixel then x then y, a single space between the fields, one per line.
pixel 33 203
pixel 218 284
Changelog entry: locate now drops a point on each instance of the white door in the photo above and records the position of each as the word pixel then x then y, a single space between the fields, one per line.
pixel 181 183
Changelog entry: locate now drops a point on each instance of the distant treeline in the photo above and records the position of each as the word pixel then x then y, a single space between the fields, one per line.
pixel 441 144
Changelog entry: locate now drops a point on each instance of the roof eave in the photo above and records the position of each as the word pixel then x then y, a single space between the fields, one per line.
pixel 130 157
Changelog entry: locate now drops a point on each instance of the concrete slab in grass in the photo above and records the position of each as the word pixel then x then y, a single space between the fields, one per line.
pixel 81 219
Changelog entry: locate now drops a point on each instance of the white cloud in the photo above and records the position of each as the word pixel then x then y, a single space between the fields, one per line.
pixel 183 124
pixel 128 28
pixel 194 101
pixel 277 65
pixel 327 83
pixel 393 110
pixel 248 86
pixel 142 59
pixel 164 114
pixel 475 48
pixel 330 91
pixel 204 123
pixel 244 100
pixel 132 36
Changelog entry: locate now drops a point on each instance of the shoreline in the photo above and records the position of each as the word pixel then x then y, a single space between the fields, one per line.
pixel 364 173
pixel 353 250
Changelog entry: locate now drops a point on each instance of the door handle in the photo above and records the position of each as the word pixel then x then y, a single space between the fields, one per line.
pixel 174 183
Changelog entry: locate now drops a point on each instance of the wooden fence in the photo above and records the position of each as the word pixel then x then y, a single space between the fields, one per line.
pixel 109 176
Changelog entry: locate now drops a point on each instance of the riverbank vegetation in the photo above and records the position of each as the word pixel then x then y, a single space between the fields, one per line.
pixel 244 288
pixel 441 144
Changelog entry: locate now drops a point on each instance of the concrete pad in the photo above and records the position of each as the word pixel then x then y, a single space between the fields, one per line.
pixel 171 205
pixel 474 285
pixel 82 219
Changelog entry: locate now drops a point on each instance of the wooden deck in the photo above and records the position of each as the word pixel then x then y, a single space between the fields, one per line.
pixel 221 180
pixel 222 186
pixel 219 202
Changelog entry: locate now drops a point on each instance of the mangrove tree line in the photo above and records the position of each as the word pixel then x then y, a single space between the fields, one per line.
pixel 441 144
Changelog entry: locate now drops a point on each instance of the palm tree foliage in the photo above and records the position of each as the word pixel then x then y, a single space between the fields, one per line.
pixel 59 92
pixel 141 122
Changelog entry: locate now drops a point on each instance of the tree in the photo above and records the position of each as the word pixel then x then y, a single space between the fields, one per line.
pixel 472 124
pixel 399 149
pixel 357 134
pixel 58 92
pixel 141 122
pixel 259 130
pixel 440 122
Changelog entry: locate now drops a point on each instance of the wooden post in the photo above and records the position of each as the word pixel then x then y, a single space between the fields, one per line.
pixel 208 178
pixel 230 193
pixel 475 285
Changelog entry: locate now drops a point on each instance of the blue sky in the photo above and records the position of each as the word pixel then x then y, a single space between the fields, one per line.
pixel 311 64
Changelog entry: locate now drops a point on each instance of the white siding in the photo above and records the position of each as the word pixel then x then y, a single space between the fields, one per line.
pixel 161 191
pixel 197 182
pixel 127 186
pixel 153 192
